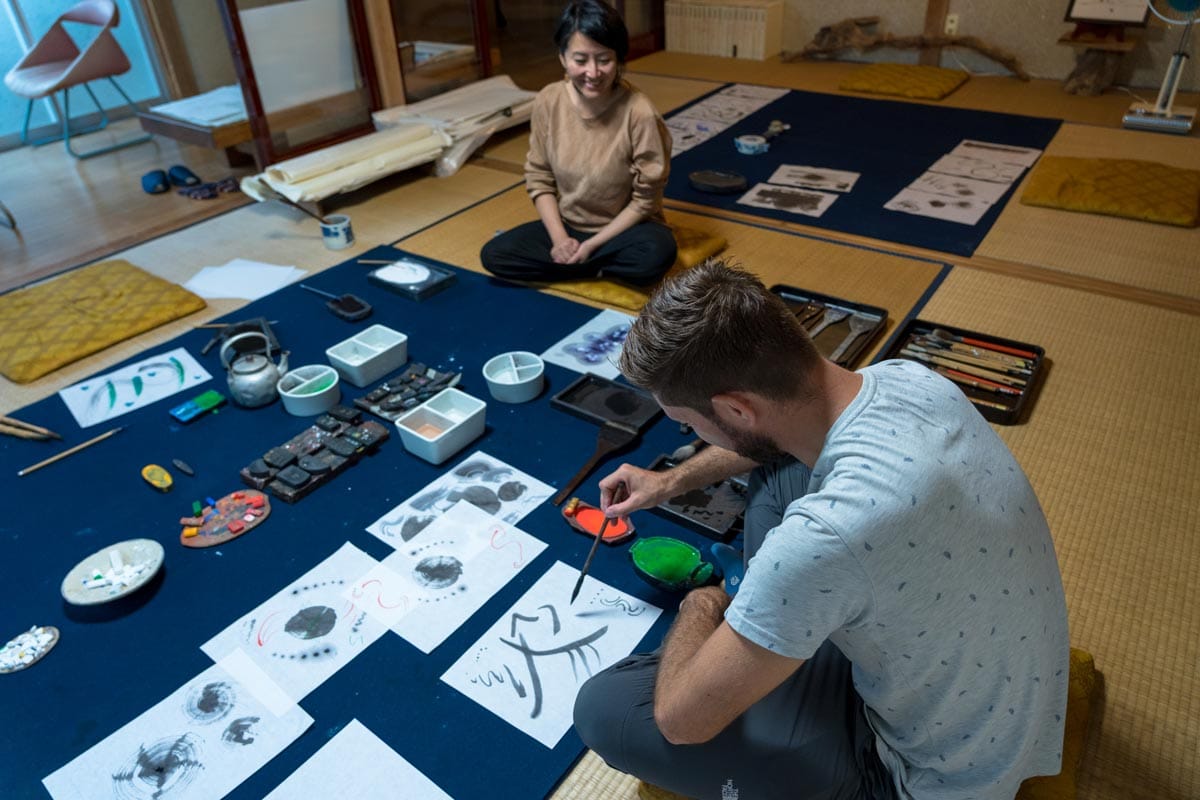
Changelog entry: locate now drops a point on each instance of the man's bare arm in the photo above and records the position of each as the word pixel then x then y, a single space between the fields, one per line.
pixel 647 489
pixel 709 674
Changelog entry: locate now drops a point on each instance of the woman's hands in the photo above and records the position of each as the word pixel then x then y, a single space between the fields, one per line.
pixel 571 251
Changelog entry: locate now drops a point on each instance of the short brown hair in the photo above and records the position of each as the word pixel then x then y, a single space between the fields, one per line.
pixel 714 329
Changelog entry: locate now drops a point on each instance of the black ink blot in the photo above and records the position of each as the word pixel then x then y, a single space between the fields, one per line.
pixel 312 622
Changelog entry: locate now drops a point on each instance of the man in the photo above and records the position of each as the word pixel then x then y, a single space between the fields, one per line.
pixel 901 629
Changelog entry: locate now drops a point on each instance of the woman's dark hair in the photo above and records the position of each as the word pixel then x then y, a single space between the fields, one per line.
pixel 596 20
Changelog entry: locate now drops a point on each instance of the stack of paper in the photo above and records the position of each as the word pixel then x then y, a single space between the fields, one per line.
pixel 249 280
pixel 219 107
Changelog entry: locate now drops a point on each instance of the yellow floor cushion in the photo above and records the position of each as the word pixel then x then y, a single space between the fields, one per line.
pixel 694 246
pixel 80 313
pixel 905 80
pixel 1119 187
pixel 1080 692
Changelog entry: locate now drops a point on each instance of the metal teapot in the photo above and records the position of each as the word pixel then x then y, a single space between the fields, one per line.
pixel 252 376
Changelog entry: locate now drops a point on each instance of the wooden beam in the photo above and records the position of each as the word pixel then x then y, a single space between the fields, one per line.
pixel 384 51
pixel 935 21
pixel 172 51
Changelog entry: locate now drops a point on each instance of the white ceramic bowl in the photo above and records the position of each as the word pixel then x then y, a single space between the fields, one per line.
pixel 515 377
pixel 309 390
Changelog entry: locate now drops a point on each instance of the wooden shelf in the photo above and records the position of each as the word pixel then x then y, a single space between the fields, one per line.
pixel 1092 42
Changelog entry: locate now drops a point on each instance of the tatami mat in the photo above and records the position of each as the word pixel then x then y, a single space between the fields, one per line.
pixel 1166 258
pixel 592 779
pixel 1039 98
pixel 859 274
pixel 274 234
pixel 1112 447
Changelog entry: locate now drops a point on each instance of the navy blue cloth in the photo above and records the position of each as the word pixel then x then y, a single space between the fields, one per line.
pixel 890 143
pixel 117 660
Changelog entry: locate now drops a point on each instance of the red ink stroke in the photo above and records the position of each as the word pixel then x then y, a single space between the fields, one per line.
pixel 500 533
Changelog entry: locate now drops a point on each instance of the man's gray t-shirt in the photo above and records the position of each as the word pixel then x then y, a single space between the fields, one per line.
pixel 921 552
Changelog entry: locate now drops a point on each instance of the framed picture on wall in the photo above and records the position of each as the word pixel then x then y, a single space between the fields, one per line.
pixel 1109 12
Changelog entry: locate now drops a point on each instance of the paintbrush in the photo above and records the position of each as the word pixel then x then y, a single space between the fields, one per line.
pixel 16 423
pixel 21 433
pixel 260 190
pixel 595 543
pixel 65 453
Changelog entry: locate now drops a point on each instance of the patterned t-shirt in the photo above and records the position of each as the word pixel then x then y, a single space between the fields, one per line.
pixel 921 552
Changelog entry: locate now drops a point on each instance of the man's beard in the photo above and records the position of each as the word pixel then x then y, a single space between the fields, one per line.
pixel 757 448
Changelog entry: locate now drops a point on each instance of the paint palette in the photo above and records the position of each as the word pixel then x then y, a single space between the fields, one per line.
pixel 714 511
pixel 588 519
pixel 112 573
pixel 601 400
pixel 22 652
pixel 231 516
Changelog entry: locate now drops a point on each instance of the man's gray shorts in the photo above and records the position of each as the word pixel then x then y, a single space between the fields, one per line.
pixel 808 738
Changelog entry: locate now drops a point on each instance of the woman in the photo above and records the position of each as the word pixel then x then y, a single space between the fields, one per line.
pixel 598 160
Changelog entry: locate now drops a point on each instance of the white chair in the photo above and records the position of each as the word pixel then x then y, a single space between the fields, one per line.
pixel 56 62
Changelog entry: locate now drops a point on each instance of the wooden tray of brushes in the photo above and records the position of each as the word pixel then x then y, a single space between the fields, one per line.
pixel 999 376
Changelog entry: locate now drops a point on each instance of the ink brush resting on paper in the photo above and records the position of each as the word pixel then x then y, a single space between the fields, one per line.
pixel 596 542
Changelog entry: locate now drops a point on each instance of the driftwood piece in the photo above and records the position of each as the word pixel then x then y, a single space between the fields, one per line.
pixel 852 33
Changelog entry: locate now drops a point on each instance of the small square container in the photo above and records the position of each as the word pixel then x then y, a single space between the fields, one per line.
pixel 369 355
pixel 515 377
pixel 443 425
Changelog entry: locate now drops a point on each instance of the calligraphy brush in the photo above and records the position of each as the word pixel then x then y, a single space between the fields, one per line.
pixel 592 553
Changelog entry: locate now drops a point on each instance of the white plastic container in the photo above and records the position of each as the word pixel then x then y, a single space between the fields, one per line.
pixel 442 425
pixel 369 355
pixel 309 390
pixel 515 377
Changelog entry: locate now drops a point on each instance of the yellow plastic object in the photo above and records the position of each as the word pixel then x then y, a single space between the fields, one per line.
pixel 80 313
pixel 694 246
pixel 1119 187
pixel 905 80
pixel 157 477
pixel 1080 691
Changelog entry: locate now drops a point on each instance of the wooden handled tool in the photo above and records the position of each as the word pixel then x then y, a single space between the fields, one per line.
pixel 614 436
pixel 595 543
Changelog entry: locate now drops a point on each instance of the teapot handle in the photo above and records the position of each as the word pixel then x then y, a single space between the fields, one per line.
pixel 225 348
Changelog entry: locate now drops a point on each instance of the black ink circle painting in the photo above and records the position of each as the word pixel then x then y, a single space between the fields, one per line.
pixel 210 702
pixel 162 769
pixel 312 622
pixel 438 572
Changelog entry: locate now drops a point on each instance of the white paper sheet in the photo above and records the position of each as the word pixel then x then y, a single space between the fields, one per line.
pixel 220 106
pixel 528 667
pixel 958 187
pixel 105 397
pixel 430 586
pixel 712 115
pixel 199 743
pixel 499 489
pixel 687 132
pixel 981 169
pixel 242 278
pixel 1000 153
pixel 787 198
pixel 357 764
pixel 923 204
pixel 831 180
pixel 307 631
pixel 594 347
